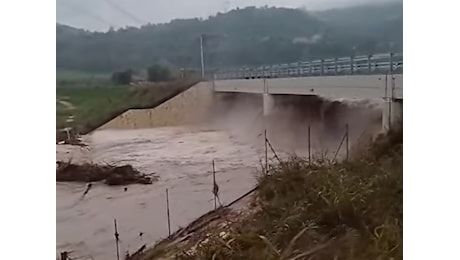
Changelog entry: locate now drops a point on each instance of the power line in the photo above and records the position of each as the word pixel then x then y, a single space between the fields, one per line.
pixel 125 12
pixel 226 6
pixel 85 11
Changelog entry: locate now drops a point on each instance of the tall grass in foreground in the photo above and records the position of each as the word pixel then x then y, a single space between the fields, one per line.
pixel 349 210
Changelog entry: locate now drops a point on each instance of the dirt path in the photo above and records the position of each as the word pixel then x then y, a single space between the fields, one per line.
pixel 70 118
pixel 67 104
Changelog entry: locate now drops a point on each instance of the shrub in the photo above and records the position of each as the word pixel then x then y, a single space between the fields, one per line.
pixel 123 77
pixel 158 73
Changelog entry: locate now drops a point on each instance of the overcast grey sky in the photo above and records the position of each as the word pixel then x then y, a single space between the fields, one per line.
pixel 101 14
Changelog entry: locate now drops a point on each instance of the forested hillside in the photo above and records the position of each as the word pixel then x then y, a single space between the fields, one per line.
pixel 249 36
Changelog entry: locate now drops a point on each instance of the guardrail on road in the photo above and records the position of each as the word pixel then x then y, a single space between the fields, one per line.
pixel 391 63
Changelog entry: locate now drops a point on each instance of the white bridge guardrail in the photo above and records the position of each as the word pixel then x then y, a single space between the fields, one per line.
pixel 391 63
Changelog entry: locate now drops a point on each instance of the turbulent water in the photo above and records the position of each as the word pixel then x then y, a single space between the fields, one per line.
pixel 182 158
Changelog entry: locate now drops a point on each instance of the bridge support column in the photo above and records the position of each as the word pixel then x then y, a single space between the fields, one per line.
pixel 269 103
pixel 392 113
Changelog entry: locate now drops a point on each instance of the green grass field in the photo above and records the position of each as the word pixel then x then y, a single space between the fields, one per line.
pixel 77 79
pixel 79 75
pixel 89 103
pixel 95 102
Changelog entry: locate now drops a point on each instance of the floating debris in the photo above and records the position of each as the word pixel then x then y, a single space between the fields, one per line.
pixel 112 175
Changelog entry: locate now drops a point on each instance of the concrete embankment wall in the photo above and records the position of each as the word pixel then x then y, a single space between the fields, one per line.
pixel 190 106
pixel 229 110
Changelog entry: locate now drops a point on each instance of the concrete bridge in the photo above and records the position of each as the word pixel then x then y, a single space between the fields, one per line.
pixel 362 77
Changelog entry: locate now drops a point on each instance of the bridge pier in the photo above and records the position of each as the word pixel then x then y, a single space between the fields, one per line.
pixel 269 103
pixel 392 113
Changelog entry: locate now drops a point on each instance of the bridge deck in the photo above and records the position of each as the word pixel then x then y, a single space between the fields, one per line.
pixel 346 86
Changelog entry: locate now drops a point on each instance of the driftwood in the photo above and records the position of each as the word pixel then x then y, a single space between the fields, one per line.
pixel 111 175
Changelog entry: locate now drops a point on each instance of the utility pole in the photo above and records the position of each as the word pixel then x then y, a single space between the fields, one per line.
pixel 203 38
pixel 202 55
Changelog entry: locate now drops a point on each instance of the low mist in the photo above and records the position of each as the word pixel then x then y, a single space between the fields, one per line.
pixel 287 127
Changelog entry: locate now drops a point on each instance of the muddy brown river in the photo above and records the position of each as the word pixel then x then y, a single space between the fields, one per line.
pixel 182 158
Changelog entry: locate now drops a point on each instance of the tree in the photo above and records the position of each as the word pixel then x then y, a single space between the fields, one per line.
pixel 157 72
pixel 123 77
pixel 242 37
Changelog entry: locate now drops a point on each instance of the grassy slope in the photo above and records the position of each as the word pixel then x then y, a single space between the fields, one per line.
pixel 97 104
pixel 349 210
pixel 89 103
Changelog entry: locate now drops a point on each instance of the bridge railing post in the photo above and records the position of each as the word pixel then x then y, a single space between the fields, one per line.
pixel 322 67
pixel 391 63
pixel 335 66
pixel 351 64
pixel 369 65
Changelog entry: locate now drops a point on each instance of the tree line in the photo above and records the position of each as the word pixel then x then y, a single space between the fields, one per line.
pixel 242 37
pixel 155 73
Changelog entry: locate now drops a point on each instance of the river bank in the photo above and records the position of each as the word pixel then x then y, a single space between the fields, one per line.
pixel 349 210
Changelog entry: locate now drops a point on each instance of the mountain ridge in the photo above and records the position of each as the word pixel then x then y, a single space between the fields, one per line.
pixel 249 36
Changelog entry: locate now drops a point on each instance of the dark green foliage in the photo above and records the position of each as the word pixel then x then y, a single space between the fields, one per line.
pixel 381 24
pixel 122 77
pixel 249 36
pixel 157 73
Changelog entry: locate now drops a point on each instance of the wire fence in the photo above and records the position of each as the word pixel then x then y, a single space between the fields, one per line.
pixel 269 154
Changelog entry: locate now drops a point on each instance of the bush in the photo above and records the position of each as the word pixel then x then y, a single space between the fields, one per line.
pixel 122 78
pixel 158 73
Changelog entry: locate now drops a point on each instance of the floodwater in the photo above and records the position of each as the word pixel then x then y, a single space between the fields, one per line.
pixel 180 156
